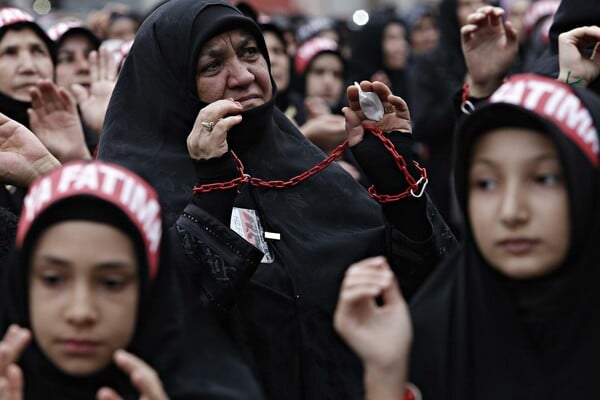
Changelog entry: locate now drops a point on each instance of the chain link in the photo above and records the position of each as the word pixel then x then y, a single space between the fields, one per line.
pixel 337 153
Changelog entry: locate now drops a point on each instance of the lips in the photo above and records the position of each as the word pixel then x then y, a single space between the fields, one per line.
pixel 79 347
pixel 518 246
pixel 247 97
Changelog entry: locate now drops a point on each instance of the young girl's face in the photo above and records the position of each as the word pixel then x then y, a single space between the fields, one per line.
pixel 518 202
pixel 83 294
pixel 325 78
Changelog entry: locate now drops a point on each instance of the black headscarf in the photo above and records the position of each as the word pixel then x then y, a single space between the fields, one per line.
pixel 13 108
pixel 17 109
pixel 193 357
pixel 367 51
pixel 482 335
pixel 326 223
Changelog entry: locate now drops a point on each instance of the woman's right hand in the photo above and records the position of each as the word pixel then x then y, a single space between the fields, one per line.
pixel 204 142
pixel 574 63
pixel 380 334
pixel 11 377
pixel 23 157
pixel 144 378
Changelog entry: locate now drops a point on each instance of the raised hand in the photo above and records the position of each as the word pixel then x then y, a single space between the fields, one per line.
pixel 143 377
pixel 208 138
pixel 316 107
pixel 11 377
pixel 380 334
pixel 573 60
pixel 23 157
pixel 325 131
pixel 397 118
pixel 93 103
pixel 54 119
pixel 489 46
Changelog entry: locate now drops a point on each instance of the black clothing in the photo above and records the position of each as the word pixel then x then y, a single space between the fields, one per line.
pixel 368 58
pixel 189 351
pixel 281 310
pixel 482 335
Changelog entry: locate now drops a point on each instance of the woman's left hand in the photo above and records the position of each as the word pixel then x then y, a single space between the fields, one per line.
pixel 397 119
pixel 93 103
pixel 54 119
pixel 144 378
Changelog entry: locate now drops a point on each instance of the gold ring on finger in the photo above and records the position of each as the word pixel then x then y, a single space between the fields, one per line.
pixel 389 110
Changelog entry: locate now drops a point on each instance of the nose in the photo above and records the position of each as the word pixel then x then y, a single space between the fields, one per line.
pixel 514 208
pixel 27 64
pixel 82 64
pixel 239 75
pixel 81 309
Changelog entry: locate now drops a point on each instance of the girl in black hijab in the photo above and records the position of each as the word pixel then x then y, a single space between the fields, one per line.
pixel 381 52
pixel 83 303
pixel 513 313
pixel 308 232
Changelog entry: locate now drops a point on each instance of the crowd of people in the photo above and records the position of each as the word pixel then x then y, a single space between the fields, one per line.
pixel 215 203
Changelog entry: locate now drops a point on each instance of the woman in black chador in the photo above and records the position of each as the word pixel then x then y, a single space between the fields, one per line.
pixel 194 90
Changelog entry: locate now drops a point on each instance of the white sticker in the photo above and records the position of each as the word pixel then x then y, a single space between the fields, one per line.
pixel 246 223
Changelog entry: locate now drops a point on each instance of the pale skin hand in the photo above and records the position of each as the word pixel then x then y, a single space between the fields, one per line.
pixel 316 107
pixel 379 334
pixel 398 120
pixel 23 157
pixel 94 102
pixel 142 376
pixel 204 145
pixel 570 56
pixel 489 46
pixel 326 131
pixel 11 377
pixel 53 118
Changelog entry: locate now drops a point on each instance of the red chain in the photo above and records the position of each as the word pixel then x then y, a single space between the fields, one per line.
pixel 279 184
pixel 413 185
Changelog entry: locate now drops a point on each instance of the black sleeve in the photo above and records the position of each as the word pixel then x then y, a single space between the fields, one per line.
pixel 414 260
pixel 408 214
pixel 213 261
pixel 218 202
pixel 417 237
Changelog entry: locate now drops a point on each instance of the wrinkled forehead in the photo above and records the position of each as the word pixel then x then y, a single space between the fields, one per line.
pixel 235 37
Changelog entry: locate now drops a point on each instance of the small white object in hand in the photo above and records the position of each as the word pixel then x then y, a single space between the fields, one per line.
pixel 370 104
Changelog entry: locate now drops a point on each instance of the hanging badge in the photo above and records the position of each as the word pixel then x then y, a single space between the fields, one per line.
pixel 245 222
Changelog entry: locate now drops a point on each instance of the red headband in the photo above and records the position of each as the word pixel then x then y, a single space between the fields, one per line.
pixel 109 182
pixel 556 102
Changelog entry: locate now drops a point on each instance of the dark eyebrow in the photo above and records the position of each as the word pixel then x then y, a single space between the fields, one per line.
pixel 55 261
pixel 246 40
pixel 106 266
pixel 114 266
pixel 539 158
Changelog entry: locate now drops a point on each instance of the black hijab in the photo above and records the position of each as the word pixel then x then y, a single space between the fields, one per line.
pixel 367 50
pixel 482 335
pixel 13 108
pixel 192 356
pixel 326 222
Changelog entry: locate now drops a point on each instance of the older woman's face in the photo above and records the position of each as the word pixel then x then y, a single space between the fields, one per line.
pixel 24 59
pixel 231 66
